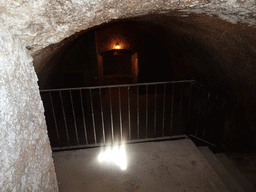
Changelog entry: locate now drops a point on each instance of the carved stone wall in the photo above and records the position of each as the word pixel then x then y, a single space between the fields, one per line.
pixel 227 60
pixel 25 153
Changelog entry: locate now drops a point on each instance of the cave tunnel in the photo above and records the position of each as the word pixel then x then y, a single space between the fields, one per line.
pixel 212 42
pixel 219 55
pixel 154 59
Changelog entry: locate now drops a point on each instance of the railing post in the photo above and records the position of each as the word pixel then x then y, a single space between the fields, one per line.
pixel 181 97
pixel 56 127
pixel 163 110
pixel 129 112
pixel 111 115
pixel 146 111
pixel 102 118
pixel 120 115
pixel 64 118
pixel 172 107
pixel 85 131
pixel 93 120
pixel 155 112
pixel 138 114
pixel 74 116
pixel 189 102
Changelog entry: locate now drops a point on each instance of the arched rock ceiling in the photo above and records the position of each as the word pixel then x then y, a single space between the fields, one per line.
pixel 42 22
pixel 216 36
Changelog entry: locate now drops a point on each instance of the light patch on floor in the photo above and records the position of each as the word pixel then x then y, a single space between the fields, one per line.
pixel 153 166
pixel 114 154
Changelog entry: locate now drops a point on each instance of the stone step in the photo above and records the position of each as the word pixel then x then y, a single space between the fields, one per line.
pixel 233 170
pixel 221 171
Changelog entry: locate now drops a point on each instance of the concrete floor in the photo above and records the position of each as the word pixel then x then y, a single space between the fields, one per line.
pixel 153 166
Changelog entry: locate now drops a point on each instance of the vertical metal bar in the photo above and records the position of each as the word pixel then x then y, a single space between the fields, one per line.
pixel 102 118
pixel 163 111
pixel 189 101
pixel 146 111
pixel 111 116
pixel 120 115
pixel 129 112
pixel 181 96
pixel 74 116
pixel 85 131
pixel 55 122
pixel 155 112
pixel 138 114
pixel 209 96
pixel 64 116
pixel 93 120
pixel 172 107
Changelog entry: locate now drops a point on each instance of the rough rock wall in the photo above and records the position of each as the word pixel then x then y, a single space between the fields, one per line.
pixel 43 22
pixel 25 156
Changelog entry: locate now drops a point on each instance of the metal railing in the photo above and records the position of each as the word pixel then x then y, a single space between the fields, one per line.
pixel 95 116
pixel 209 111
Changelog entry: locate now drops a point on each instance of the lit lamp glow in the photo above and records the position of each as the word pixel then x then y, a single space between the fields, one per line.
pixel 116 155
pixel 117 46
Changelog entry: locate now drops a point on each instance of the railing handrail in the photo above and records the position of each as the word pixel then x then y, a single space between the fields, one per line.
pixel 109 86
pixel 90 118
pixel 166 138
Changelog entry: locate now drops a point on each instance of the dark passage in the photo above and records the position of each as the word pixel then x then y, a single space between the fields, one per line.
pixel 169 48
